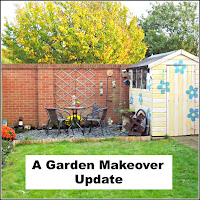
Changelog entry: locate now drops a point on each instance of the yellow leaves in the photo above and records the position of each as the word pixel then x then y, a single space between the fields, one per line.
pixel 48 59
pixel 72 57
pixel 49 5
pixel 60 38
pixel 58 50
pixel 33 39
pixel 61 28
pixel 45 48
pixel 80 31
pixel 18 60
pixel 26 49
pixel 97 54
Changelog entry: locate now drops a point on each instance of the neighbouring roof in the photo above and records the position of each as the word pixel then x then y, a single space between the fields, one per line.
pixel 159 58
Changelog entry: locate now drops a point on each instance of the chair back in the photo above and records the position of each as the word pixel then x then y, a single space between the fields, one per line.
pixel 96 110
pixel 52 114
pixel 104 113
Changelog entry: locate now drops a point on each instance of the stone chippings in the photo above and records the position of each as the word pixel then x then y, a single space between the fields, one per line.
pixel 113 131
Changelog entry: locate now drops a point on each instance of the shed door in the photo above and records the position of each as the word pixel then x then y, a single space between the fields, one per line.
pixel 181 100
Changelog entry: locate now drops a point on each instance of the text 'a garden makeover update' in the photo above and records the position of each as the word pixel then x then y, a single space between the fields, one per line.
pixel 99 172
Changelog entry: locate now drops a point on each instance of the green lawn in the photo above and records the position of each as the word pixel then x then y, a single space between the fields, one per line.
pixel 185 168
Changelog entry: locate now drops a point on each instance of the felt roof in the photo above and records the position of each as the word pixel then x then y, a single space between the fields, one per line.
pixel 158 58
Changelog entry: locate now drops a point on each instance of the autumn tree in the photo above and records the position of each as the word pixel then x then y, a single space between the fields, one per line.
pixel 5 60
pixel 169 26
pixel 73 32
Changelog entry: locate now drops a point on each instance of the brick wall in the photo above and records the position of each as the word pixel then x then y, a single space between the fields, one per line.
pixel 28 88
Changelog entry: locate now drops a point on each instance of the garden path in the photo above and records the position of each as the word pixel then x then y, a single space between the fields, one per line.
pixel 190 141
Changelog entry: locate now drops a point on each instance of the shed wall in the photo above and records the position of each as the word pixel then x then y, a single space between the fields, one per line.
pixel 159 111
pixel 173 106
pixel 197 99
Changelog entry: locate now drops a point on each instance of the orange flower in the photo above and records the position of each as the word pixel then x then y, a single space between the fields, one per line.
pixel 7 133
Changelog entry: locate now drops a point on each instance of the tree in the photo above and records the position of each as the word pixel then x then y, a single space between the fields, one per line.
pixel 5 60
pixel 170 27
pixel 74 32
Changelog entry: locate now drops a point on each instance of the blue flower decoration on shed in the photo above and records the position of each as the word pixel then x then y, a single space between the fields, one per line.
pixel 148 114
pixel 193 114
pixel 149 84
pixel 140 98
pixel 163 87
pixel 179 67
pixel 131 99
pixel 192 92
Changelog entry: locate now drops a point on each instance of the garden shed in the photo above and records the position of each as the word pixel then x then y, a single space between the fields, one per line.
pixel 166 87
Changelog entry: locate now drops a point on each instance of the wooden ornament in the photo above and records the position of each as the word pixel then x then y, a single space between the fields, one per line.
pixel 109 72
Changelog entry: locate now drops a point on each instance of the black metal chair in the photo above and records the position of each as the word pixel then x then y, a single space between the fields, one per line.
pixel 96 109
pixel 56 117
pixel 100 120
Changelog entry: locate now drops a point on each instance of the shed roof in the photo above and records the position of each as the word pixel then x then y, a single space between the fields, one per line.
pixel 159 58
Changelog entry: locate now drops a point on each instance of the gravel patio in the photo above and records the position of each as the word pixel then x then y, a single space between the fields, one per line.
pixel 113 131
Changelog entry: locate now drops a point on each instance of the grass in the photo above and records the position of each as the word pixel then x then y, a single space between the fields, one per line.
pixel 30 138
pixel 185 168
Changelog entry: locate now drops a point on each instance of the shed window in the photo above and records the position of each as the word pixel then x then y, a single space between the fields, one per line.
pixel 144 78
pixel 140 78
pixel 134 79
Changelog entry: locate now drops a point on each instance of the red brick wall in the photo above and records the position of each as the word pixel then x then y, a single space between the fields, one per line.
pixel 28 88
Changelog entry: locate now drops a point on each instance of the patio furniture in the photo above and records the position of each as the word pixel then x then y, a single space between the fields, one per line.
pixel 56 117
pixel 96 109
pixel 100 120
pixel 75 119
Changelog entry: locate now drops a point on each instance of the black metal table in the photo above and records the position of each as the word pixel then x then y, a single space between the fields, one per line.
pixel 74 119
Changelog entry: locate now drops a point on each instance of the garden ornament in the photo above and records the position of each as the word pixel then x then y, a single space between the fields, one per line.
pixel 27 127
pixel 4 123
pixel 73 100
pixel 114 83
pixel 20 125
pixel 101 88
pixel 109 72
pixel 110 121
pixel 126 82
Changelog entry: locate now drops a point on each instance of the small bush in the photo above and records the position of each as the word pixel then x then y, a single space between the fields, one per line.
pixel 5 150
pixel 7 133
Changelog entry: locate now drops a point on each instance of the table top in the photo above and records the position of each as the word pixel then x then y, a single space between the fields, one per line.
pixel 74 108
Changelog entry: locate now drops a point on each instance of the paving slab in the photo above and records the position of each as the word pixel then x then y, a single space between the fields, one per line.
pixel 190 141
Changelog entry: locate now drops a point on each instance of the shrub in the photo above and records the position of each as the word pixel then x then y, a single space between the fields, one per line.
pixel 5 151
pixel 7 133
